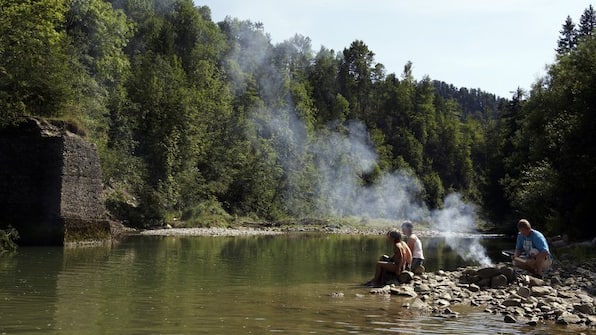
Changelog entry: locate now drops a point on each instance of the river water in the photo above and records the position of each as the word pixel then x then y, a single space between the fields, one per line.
pixel 225 285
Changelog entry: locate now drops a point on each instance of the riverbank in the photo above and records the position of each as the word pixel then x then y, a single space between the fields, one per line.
pixel 349 227
pixel 565 297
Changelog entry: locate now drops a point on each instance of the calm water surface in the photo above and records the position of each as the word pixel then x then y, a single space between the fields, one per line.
pixel 223 285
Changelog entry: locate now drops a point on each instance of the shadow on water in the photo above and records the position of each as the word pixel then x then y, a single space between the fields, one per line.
pixel 222 285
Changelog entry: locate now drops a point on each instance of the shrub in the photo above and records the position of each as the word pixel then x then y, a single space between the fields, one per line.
pixel 7 239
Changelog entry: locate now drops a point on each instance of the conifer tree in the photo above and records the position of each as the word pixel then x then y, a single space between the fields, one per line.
pixel 568 39
pixel 587 23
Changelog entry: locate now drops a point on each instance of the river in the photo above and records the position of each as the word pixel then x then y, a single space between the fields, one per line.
pixel 225 285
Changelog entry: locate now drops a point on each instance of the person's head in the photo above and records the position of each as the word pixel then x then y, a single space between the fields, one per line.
pixel 394 235
pixel 407 228
pixel 524 227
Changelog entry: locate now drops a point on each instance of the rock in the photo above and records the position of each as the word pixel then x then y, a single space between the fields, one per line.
pixel 512 302
pixel 586 298
pixel 584 308
pixel 498 281
pixel 337 294
pixel 445 296
pixel 509 273
pixel 381 290
pixel 524 292
pixel 419 270
pixel 405 291
pixel 545 309
pixel 565 294
pixel 405 277
pixel 419 305
pixel 474 288
pixel 568 318
pixel 541 291
pixel 469 271
pixel 448 311
pixel 556 281
pixel 470 279
pixel 443 303
pixel 422 288
pixel 485 282
pixel 510 319
pixel 487 273
pixel 536 282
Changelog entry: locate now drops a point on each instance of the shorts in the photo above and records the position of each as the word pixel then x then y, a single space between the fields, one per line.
pixel 548 262
pixel 416 262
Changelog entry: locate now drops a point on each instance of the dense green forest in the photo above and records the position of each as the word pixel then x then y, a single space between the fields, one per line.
pixel 202 122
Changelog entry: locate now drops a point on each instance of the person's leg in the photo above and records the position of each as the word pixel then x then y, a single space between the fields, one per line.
pixel 381 268
pixel 540 263
pixel 533 265
pixel 548 263
pixel 524 264
pixel 416 262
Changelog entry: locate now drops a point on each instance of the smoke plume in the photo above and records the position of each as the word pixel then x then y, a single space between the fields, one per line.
pixel 343 157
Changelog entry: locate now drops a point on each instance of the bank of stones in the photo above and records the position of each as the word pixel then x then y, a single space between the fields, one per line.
pixel 565 296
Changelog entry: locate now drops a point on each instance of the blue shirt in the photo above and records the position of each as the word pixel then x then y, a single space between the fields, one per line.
pixel 535 241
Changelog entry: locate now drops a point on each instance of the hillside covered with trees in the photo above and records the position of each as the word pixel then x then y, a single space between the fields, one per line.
pixel 203 121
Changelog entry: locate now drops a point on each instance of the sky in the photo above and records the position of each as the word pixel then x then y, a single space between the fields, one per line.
pixel 494 45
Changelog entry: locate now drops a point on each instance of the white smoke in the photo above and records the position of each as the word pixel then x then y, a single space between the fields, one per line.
pixel 342 157
pixel 458 219
pixel 342 160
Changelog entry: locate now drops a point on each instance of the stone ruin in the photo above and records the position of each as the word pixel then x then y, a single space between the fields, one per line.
pixel 51 185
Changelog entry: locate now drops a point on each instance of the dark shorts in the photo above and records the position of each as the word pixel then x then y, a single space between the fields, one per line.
pixel 416 262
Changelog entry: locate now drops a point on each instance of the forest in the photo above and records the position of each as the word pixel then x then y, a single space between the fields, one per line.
pixel 200 122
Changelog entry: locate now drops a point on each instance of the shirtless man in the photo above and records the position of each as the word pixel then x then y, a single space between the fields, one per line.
pixel 397 263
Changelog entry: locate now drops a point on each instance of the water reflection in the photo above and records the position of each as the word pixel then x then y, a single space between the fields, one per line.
pixel 219 285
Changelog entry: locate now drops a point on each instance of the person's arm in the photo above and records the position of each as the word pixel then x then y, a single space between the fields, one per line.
pixel 411 242
pixel 519 245
pixel 398 258
pixel 407 256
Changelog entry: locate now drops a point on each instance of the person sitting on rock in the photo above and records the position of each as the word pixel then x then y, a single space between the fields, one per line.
pixel 415 246
pixel 395 264
pixel 532 244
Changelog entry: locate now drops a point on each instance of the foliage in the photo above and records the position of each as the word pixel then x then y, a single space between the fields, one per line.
pixel 545 141
pixel 208 213
pixel 8 239
pixel 209 121
pixel 34 56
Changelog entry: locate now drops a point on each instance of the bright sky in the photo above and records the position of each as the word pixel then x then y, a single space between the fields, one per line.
pixel 494 45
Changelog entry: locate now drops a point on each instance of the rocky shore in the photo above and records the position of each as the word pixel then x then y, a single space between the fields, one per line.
pixel 214 231
pixel 565 296
pixel 276 228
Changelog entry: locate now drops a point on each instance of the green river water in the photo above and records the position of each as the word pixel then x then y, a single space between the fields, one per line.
pixel 224 285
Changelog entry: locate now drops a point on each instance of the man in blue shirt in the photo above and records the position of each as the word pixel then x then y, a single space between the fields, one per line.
pixel 532 244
